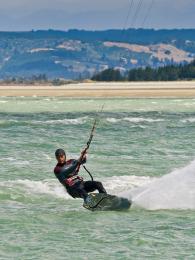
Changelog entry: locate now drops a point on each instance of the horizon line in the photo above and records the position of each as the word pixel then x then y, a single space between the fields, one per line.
pixel 94 30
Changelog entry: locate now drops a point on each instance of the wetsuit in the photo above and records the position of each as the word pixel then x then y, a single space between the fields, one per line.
pixel 67 174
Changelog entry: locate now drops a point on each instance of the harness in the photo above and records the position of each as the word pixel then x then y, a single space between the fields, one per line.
pixel 73 180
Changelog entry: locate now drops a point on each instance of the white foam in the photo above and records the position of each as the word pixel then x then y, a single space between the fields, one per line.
pixel 46 187
pixel 117 184
pixel 70 121
pixel 11 159
pixel 113 120
pixel 4 122
pixel 175 190
pixel 188 120
pixel 134 120
pixel 141 119
pixel 66 121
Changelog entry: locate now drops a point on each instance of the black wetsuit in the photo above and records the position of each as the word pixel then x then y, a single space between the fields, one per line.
pixel 68 176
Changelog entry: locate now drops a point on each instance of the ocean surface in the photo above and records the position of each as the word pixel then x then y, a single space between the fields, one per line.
pixel 143 149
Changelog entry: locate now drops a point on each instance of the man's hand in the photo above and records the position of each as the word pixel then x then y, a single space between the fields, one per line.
pixel 83 156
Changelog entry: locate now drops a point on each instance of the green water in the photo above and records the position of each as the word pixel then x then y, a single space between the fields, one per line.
pixel 143 149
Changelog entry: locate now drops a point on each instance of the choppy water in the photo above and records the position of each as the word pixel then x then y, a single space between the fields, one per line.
pixel 144 149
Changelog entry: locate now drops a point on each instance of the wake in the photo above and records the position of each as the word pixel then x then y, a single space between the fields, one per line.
pixel 51 187
pixel 175 190
pixel 32 189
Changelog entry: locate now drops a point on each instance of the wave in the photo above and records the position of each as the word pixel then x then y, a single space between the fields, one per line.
pixel 66 121
pixel 85 119
pixel 29 188
pixel 175 190
pixel 76 121
pixel 188 120
pixel 7 122
pixel 134 120
pixel 51 187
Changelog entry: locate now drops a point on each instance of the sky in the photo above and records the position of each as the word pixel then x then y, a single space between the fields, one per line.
pixel 22 15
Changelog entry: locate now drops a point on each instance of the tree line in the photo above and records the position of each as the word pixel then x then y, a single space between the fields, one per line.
pixel 35 80
pixel 166 73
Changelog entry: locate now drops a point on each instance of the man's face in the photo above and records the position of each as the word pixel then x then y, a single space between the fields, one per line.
pixel 61 158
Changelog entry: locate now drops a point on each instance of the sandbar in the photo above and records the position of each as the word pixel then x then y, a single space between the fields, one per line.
pixel 181 89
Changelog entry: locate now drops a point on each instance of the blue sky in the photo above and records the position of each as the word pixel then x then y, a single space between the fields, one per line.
pixel 17 15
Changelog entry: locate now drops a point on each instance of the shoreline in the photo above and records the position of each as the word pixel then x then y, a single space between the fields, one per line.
pixel 185 89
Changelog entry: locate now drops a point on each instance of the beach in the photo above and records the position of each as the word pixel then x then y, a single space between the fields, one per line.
pixel 181 89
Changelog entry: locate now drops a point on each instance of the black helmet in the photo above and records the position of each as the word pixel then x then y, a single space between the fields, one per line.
pixel 59 152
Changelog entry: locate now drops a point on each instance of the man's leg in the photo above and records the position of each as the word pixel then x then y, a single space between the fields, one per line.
pixel 78 191
pixel 91 186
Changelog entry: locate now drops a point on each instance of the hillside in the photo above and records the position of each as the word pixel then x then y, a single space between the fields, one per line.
pixel 79 54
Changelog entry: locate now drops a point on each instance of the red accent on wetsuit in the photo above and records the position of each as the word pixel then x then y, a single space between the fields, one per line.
pixel 72 177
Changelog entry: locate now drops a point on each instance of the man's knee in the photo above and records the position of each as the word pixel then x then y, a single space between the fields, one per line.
pixel 100 187
pixel 99 184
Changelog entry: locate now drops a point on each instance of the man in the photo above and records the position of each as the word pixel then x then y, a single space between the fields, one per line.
pixel 67 174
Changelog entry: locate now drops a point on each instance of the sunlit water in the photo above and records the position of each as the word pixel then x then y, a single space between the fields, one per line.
pixel 143 149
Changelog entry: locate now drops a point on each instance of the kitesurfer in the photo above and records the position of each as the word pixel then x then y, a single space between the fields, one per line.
pixel 67 173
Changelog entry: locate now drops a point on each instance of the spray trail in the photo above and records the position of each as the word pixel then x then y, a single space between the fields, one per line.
pixel 175 190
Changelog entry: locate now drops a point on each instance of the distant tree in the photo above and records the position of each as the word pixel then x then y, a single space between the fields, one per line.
pixel 108 75
pixel 40 77
pixel 165 73
pixel 57 82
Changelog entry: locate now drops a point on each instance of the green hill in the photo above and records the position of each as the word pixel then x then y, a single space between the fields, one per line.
pixel 77 54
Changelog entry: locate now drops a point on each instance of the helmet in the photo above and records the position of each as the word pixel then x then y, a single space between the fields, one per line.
pixel 59 152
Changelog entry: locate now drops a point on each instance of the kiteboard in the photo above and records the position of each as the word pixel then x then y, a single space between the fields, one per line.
pixel 103 202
